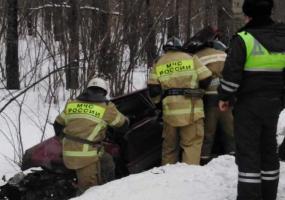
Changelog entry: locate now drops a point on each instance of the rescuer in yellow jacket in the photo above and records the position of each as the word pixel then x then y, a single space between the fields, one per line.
pixel 174 80
pixel 84 122
pixel 213 116
pixel 211 53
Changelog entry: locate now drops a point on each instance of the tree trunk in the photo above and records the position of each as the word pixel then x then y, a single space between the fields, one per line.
pixel 188 25
pixel 47 18
pixel 225 23
pixel 173 23
pixel 73 68
pixel 12 62
pixel 57 22
pixel 29 18
pixel 151 43
pixel 104 59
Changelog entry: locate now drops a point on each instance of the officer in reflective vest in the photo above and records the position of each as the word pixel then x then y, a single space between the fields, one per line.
pixel 83 124
pixel 253 73
pixel 174 80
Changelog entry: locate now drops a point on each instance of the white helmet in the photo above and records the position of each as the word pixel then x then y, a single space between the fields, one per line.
pixel 98 82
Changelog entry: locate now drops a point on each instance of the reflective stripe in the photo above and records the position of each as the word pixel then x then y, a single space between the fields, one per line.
pixel 228 88
pixel 232 84
pixel 249 174
pixel 177 111
pixel 270 172
pixel 198 110
pixel 116 120
pixel 270 178
pixel 211 92
pixel 247 180
pixel 95 132
pixel 92 136
pixel 202 70
pixel 194 81
pixel 213 58
pixel 83 116
pixel 177 75
pixel 83 154
pixel 261 69
pixel 182 111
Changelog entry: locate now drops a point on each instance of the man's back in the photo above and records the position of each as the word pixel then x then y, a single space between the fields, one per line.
pixel 176 70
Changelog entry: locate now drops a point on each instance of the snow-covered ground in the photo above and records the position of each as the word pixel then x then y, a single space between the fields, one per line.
pixel 215 181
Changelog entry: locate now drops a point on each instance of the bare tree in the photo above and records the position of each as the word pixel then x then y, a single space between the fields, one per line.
pixel 173 21
pixel 12 63
pixel 188 24
pixel 151 49
pixel 72 70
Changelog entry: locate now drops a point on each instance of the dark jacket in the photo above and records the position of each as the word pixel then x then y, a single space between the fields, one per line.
pixel 247 84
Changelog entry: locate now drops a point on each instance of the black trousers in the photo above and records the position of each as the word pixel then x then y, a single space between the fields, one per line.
pixel 255 123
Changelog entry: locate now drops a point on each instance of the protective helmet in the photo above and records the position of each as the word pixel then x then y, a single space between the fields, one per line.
pixel 201 39
pixel 257 8
pixel 98 82
pixel 172 43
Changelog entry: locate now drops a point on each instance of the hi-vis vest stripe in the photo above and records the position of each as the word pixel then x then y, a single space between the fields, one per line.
pixel 175 68
pixel 259 58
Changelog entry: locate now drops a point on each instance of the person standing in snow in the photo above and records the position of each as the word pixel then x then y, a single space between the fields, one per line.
pixel 253 73
pixel 83 125
pixel 174 80
pixel 211 53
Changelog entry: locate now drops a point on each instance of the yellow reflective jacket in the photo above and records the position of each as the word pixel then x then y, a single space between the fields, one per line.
pixel 177 69
pixel 214 60
pixel 86 120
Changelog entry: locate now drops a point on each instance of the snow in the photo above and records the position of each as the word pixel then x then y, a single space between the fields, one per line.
pixel 215 181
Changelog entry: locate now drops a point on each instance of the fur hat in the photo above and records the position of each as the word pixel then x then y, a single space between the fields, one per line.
pixel 257 8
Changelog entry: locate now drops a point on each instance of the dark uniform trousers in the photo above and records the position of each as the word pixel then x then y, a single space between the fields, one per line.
pixel 255 122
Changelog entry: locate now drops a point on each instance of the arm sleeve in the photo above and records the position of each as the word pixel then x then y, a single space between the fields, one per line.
pixel 202 71
pixel 59 124
pixel 154 86
pixel 58 128
pixel 115 118
pixel 233 69
pixel 204 84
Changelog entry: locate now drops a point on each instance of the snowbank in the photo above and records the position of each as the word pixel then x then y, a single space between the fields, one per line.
pixel 215 181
